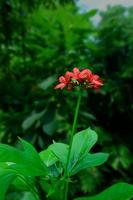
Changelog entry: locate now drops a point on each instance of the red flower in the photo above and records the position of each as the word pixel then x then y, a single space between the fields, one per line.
pixel 95 81
pixel 84 78
pixel 63 81
pixel 80 76
pixel 85 73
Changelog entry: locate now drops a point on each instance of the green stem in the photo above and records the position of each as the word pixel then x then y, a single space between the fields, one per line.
pixel 70 145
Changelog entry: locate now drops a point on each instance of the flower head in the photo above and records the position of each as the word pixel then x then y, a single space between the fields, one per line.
pixel 84 78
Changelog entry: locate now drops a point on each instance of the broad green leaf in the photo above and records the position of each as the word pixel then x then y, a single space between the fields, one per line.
pixel 119 191
pixel 82 143
pixel 90 160
pixel 5 180
pixel 25 161
pixel 61 151
pixel 48 157
pixel 51 155
pixel 31 163
pixel 9 154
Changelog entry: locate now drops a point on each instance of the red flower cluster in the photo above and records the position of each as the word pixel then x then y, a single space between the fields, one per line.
pixel 85 78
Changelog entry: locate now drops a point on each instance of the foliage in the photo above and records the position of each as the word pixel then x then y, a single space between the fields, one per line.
pixel 121 191
pixel 114 49
pixel 42 43
pixel 42 39
pixel 26 166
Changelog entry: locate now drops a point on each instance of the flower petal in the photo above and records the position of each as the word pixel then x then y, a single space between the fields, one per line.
pixel 62 79
pixel 67 76
pixel 85 73
pixel 60 86
pixel 76 70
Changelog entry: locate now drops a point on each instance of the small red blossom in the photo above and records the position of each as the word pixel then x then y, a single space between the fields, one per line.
pixel 80 75
pixel 85 73
pixel 85 78
pixel 95 81
pixel 63 81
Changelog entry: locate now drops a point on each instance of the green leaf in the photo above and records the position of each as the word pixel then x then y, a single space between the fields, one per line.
pixel 90 160
pixel 9 154
pixel 48 157
pixel 82 143
pixel 31 163
pixel 5 180
pixel 26 161
pixel 3 166
pixel 55 152
pixel 60 150
pixel 119 191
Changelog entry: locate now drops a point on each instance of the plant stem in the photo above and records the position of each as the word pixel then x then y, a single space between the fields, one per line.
pixel 70 145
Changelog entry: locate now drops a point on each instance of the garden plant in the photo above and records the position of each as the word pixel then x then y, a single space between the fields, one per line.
pixel 52 129
pixel 48 174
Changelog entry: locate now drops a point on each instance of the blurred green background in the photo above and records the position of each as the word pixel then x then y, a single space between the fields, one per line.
pixel 39 41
